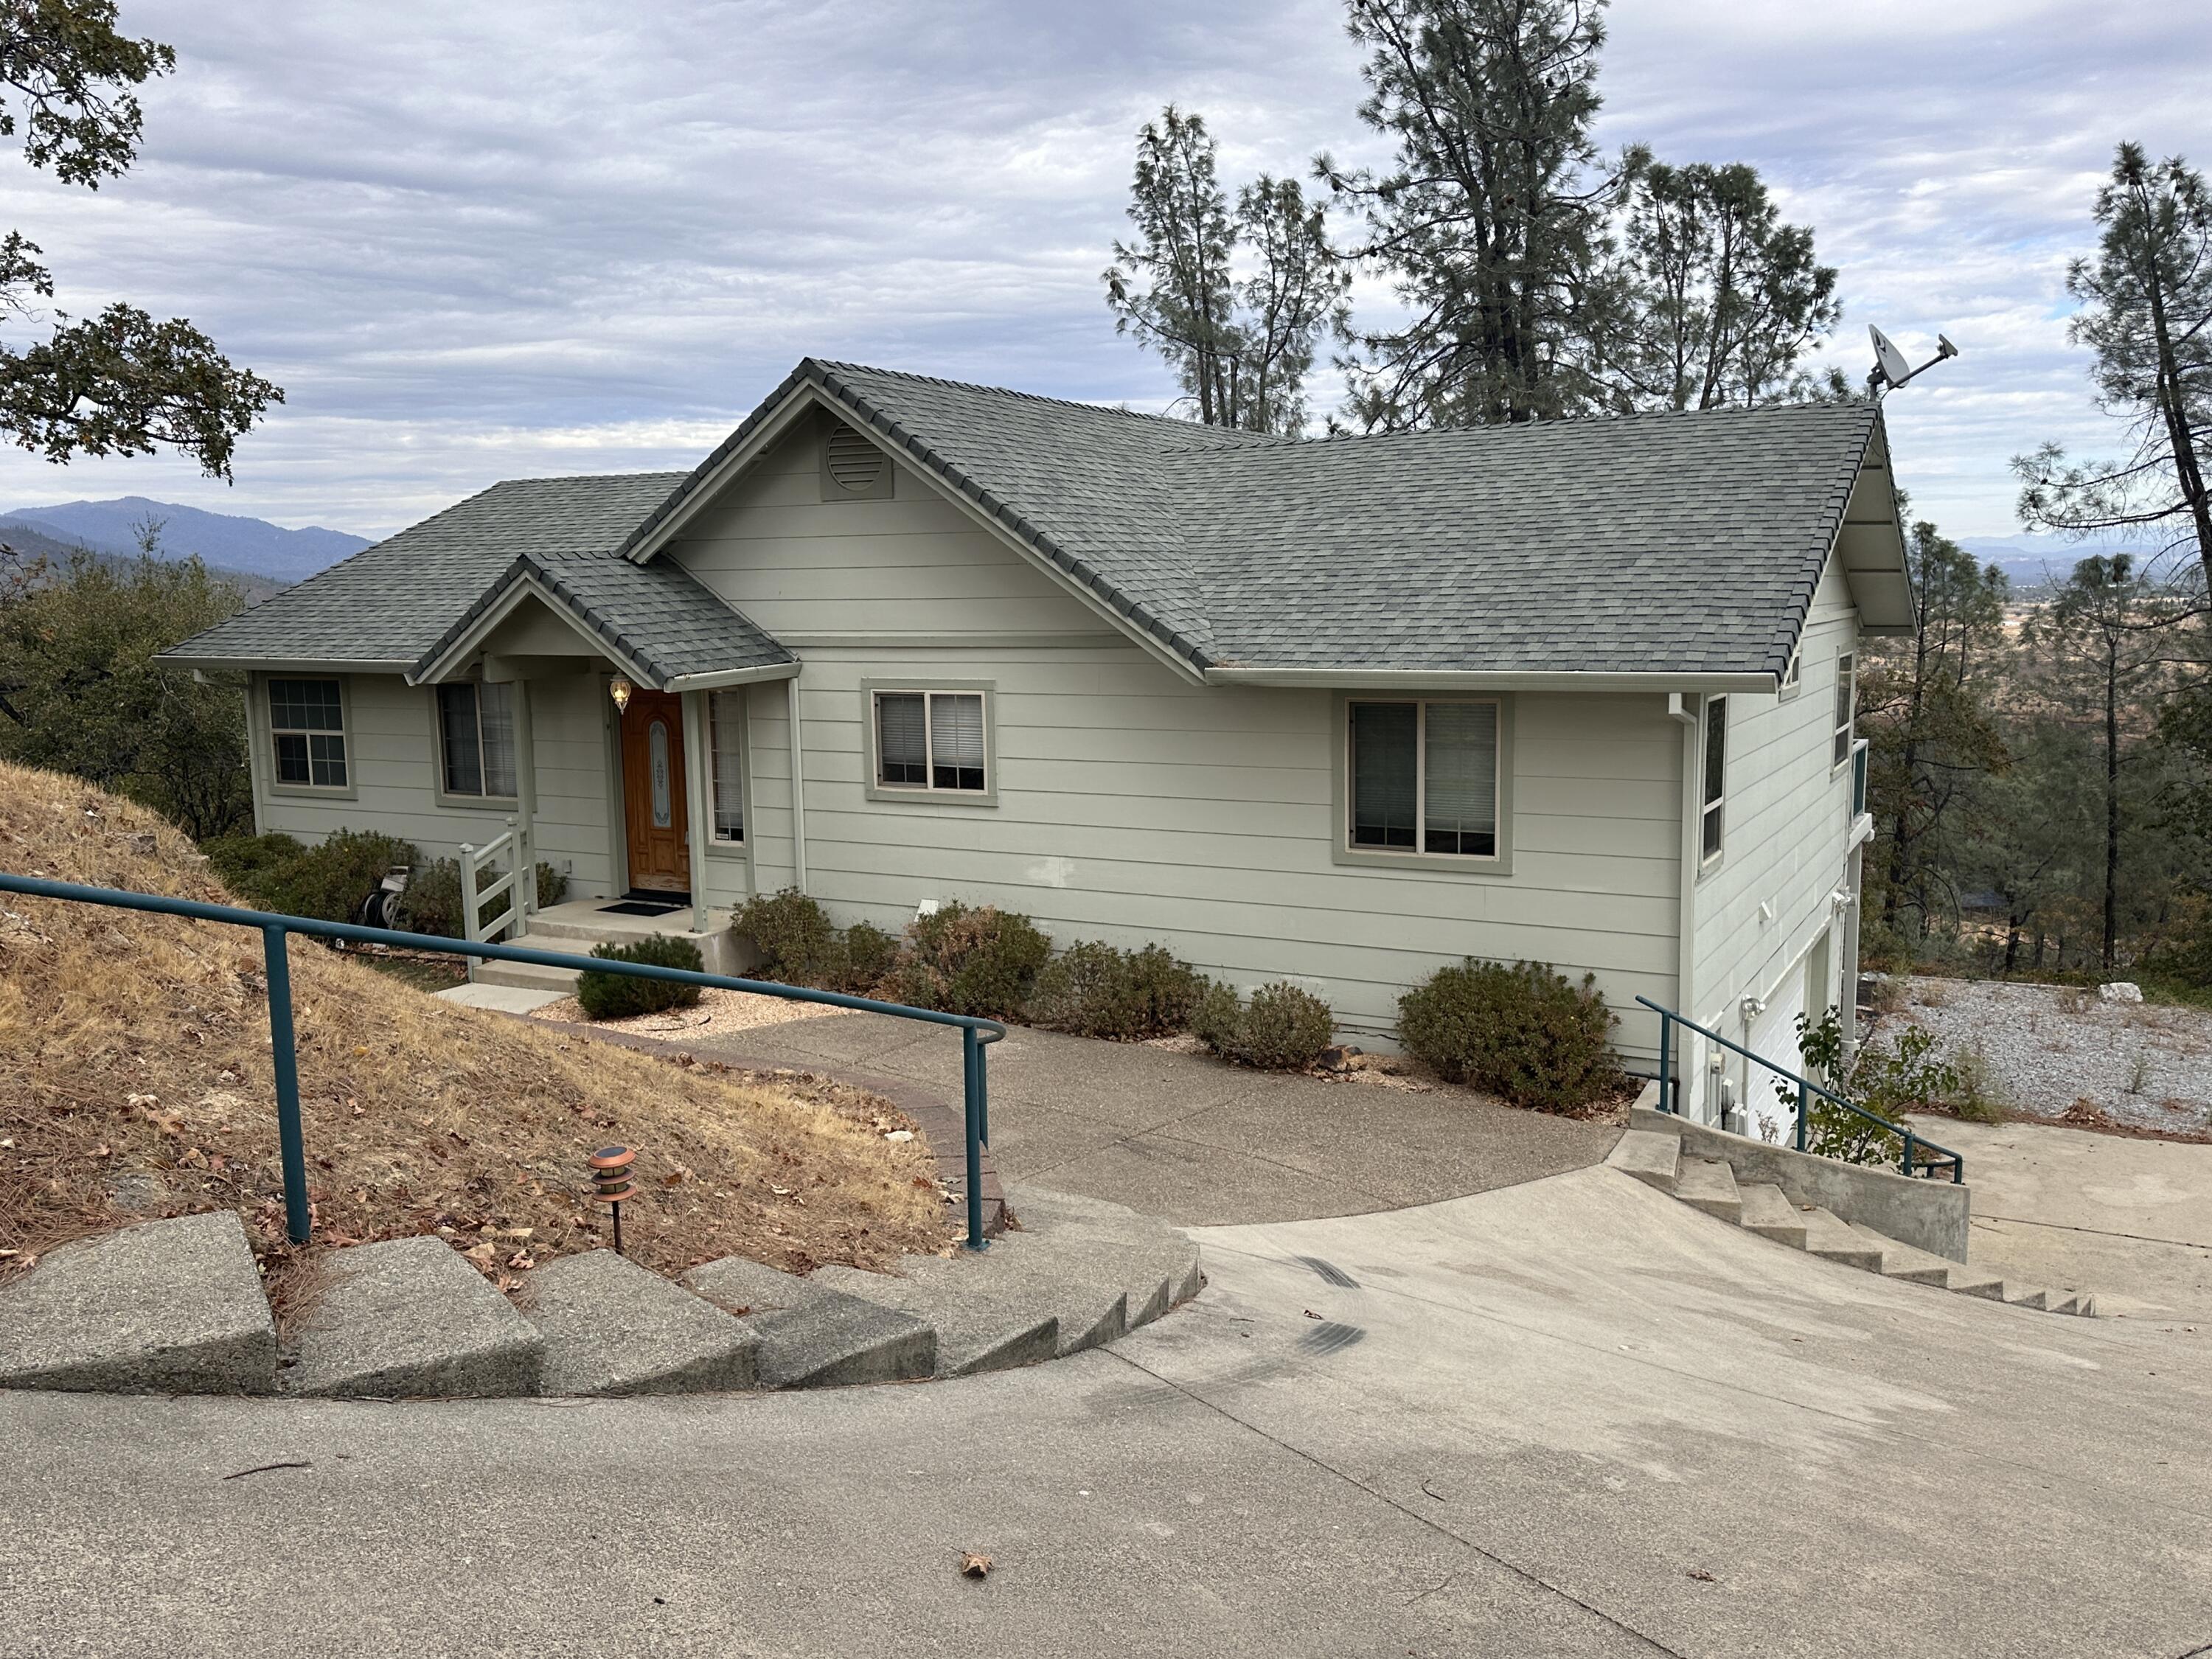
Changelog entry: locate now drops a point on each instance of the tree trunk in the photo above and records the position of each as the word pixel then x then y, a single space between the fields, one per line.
pixel 2112 800
pixel 2173 410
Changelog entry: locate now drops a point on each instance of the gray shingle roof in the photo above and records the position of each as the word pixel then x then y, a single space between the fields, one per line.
pixel 1685 543
pixel 404 599
pixel 1663 543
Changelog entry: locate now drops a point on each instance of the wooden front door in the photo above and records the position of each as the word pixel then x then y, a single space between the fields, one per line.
pixel 653 793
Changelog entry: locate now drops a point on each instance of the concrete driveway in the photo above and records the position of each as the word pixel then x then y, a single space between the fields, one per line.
pixel 1189 1138
pixel 1569 1417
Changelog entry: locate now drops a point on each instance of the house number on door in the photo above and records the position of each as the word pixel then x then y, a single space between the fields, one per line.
pixel 656 742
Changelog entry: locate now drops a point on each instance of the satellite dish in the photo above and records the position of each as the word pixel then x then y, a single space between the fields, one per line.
pixel 1944 348
pixel 1890 361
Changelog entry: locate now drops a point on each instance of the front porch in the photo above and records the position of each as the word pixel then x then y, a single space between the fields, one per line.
pixel 577 925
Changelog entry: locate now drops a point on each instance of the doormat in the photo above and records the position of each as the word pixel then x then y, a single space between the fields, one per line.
pixel 641 908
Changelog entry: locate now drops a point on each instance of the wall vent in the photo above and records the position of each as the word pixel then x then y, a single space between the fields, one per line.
pixel 853 468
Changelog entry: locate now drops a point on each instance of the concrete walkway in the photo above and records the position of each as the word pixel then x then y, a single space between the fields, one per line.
pixel 2128 1216
pixel 1572 1417
pixel 1191 1139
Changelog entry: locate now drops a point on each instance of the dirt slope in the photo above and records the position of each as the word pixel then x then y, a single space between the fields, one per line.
pixel 135 1081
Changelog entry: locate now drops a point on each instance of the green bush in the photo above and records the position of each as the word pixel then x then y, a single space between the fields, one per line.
pixel 1094 990
pixel 238 860
pixel 798 943
pixel 1283 1028
pixel 618 996
pixel 870 953
pixel 1887 1081
pixel 1525 1033
pixel 964 960
pixel 328 881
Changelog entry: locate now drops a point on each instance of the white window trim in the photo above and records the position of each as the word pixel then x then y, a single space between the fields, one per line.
pixel 1708 808
pixel 264 719
pixel 451 799
pixel 871 778
pixel 1472 865
pixel 1847 674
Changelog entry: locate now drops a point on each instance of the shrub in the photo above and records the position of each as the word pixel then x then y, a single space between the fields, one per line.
pixel 1888 1081
pixel 618 996
pixel 1283 1028
pixel 1094 990
pixel 1525 1033
pixel 960 960
pixel 328 881
pixel 798 943
pixel 870 954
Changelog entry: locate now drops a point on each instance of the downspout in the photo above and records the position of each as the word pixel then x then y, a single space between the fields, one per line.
pixel 1678 707
pixel 798 791
pixel 698 800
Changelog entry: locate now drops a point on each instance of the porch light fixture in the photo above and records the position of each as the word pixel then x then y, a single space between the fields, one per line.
pixel 619 689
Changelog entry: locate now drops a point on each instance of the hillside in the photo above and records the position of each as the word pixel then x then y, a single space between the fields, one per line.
pixel 34 544
pixel 138 1084
pixel 252 546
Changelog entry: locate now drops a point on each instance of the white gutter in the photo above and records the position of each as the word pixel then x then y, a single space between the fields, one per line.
pixel 721 679
pixel 1450 680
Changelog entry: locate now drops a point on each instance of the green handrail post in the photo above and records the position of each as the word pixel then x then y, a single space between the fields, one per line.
pixel 1666 1045
pixel 1803 1107
pixel 971 1068
pixel 284 1060
pixel 1908 1149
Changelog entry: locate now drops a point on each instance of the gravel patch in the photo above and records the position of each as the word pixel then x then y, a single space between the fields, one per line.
pixel 717 1012
pixel 2051 1047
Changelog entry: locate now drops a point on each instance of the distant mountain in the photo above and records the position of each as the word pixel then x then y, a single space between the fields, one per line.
pixel 250 545
pixel 2029 559
pixel 33 544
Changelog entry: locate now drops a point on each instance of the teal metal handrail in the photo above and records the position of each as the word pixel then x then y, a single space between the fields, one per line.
pixel 974 1032
pixel 1910 1163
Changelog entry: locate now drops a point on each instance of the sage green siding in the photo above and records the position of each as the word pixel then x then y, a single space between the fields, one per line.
pixel 1134 806
pixel 1788 835
pixel 392 751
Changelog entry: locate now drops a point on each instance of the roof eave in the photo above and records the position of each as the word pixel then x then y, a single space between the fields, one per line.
pixel 1462 679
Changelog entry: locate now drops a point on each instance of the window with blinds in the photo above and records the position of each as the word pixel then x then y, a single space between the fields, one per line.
pixel 725 714
pixel 1715 810
pixel 476 730
pixel 1424 777
pixel 931 740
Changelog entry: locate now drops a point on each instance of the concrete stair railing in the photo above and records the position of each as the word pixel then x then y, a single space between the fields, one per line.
pixel 1656 1158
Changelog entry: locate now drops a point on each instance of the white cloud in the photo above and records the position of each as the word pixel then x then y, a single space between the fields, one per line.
pixel 483 241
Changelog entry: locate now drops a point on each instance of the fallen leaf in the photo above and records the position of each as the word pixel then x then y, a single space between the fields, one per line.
pixel 1702 1577
pixel 781 1192
pixel 480 1253
pixel 1311 1313
pixel 975 1565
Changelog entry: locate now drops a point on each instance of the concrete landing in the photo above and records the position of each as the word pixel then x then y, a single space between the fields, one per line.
pixel 172 1307
pixel 411 1319
pixel 505 999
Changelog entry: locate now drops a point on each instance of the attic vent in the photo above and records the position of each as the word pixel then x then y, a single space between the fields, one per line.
pixel 853 468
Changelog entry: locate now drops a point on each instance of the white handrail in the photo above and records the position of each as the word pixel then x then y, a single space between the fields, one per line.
pixel 512 845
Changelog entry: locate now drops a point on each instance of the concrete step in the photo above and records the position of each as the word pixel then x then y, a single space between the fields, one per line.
pixel 1709 1184
pixel 2027 1295
pixel 505 999
pixel 171 1306
pixel 811 1335
pixel 1916 1267
pixel 1155 1264
pixel 1650 1156
pixel 981 1325
pixel 531 976
pixel 1968 1280
pixel 411 1319
pixel 1830 1237
pixel 1764 1210
pixel 613 1327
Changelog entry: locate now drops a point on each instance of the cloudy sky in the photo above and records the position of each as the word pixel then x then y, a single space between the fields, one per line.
pixel 523 237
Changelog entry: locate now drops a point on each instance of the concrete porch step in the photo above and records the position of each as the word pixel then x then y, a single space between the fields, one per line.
pixel 1903 1261
pixel 533 976
pixel 1649 1155
pixel 411 1319
pixel 811 1334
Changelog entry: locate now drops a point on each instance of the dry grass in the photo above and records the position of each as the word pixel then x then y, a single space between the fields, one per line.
pixel 135 1055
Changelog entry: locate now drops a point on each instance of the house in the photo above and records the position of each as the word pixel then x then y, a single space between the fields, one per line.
pixel 1340 711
